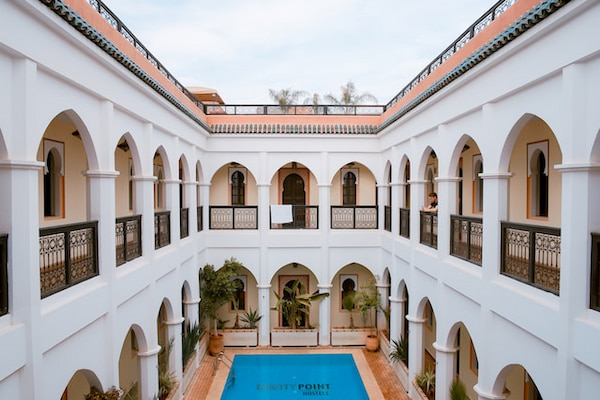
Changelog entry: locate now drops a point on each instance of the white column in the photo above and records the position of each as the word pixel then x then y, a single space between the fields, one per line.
pixel 382 192
pixel 148 365
pixel 397 199
pixel 415 350
pixel 172 205
pixel 205 198
pixel 448 204
pixel 444 369
pixel 264 325
pixel 174 333
pixel 189 192
pixel 325 316
pixel 417 201
pixel 397 318
pixel 482 394
pixel 383 290
pixel 144 206
pixel 192 310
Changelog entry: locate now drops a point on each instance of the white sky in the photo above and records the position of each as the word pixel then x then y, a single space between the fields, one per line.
pixel 243 48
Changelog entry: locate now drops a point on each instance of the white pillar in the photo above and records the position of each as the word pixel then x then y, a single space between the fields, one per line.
pixel 383 289
pixel 325 316
pixel 172 205
pixel 482 394
pixel 417 201
pixel 444 369
pixel 189 192
pixel 205 198
pixel 397 318
pixel 264 325
pixel 448 198
pixel 415 350
pixel 144 206
pixel 148 364
pixel 174 333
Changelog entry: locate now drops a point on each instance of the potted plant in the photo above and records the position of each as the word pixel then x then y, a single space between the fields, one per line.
pixel 216 289
pixel 368 300
pixel 293 305
pixel 458 391
pixel 243 335
pixel 251 318
pixel 399 351
pixel 426 382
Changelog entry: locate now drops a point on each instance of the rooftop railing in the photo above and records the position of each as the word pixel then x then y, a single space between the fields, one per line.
pixel 296 109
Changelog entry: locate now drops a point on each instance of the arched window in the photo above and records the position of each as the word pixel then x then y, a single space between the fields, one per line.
pixel 349 189
pixel 477 184
pixel 53 193
pixel 131 173
pixel 238 186
pixel 407 185
pixel 538 179
pixel 158 187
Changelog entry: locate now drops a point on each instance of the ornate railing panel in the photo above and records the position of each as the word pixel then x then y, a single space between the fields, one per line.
pixel 304 217
pixel 68 255
pixel 353 217
pixel 3 274
pixel 199 218
pixel 184 230
pixel 387 218
pixel 532 254
pixel 128 238
pixel 162 229
pixel 595 273
pixel 405 222
pixel 466 238
pixel 428 229
pixel 292 109
pixel 233 217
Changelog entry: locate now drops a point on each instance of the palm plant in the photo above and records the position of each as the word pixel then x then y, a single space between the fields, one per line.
pixel 350 97
pixel 426 381
pixel 251 317
pixel 188 341
pixel 458 391
pixel 286 97
pixel 399 351
pixel 296 302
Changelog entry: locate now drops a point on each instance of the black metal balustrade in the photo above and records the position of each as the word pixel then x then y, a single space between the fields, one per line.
pixel 128 238
pixel 531 254
pixel 595 273
pixel 233 217
pixel 304 217
pixel 260 109
pixel 466 238
pixel 354 217
pixel 199 218
pixel 162 229
pixel 184 230
pixel 387 218
pixel 405 222
pixel 428 234
pixel 3 274
pixel 68 256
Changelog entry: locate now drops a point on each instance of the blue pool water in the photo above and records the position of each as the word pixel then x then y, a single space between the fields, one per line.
pixel 294 376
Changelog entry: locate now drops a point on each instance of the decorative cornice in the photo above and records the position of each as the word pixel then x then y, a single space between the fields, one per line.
pixel 320 129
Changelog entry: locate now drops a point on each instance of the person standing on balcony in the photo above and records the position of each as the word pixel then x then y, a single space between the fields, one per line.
pixel 433 203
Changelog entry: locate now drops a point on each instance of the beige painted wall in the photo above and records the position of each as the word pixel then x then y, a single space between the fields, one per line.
pixel 366 193
pixel 220 192
pixel 340 317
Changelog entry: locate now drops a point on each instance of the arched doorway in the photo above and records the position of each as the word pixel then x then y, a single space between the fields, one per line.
pixel 294 194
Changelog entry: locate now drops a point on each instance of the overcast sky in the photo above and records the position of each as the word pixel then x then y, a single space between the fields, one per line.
pixel 243 48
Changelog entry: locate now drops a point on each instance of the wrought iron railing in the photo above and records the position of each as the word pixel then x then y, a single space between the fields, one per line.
pixel 293 109
pixel 405 222
pixel 68 256
pixel 128 238
pixel 199 218
pixel 595 273
pixel 531 254
pixel 428 230
pixel 184 218
pixel 387 218
pixel 162 229
pixel 466 238
pixel 354 217
pixel 3 274
pixel 304 217
pixel 487 18
pixel 233 217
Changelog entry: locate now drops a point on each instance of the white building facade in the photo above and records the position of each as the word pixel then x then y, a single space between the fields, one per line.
pixel 132 187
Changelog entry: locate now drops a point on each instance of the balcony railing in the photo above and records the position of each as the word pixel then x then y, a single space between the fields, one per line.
pixel 387 218
pixel 68 256
pixel 233 217
pixel 199 219
pixel 405 222
pixel 466 238
pixel 184 230
pixel 354 217
pixel 304 217
pixel 531 254
pixel 429 222
pixel 595 273
pixel 128 238
pixel 3 274
pixel 259 109
pixel 162 229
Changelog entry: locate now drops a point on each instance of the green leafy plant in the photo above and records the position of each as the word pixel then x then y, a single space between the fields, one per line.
pixel 251 318
pixel 399 351
pixel 348 303
pixel 216 289
pixel 189 341
pixel 166 379
pixel 295 302
pixel 111 394
pixel 426 381
pixel 368 300
pixel 458 391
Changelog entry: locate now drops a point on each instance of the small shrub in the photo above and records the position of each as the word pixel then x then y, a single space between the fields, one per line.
pixel 426 381
pixel 458 391
pixel 399 351
pixel 111 394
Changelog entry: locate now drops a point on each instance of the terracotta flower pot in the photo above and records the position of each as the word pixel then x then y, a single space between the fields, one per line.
pixel 215 346
pixel 372 343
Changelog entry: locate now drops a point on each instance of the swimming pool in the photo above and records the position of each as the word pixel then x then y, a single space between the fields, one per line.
pixel 294 376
